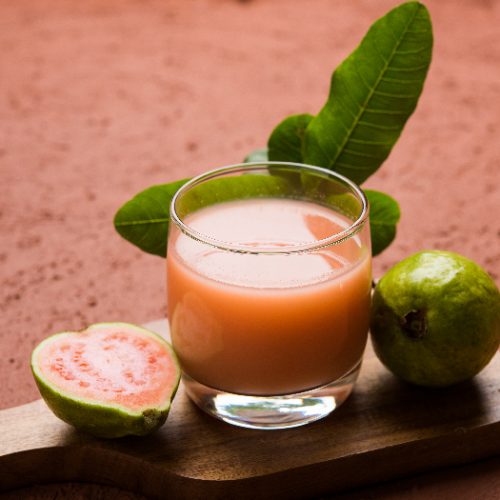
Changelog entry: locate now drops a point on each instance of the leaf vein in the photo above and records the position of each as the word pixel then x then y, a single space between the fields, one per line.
pixel 368 143
pixel 414 51
pixel 417 32
pixel 378 126
pixel 348 165
pixel 359 153
pixel 395 96
pixel 140 221
pixel 385 111
pixel 361 77
pixel 402 81
pixel 407 69
pixel 353 100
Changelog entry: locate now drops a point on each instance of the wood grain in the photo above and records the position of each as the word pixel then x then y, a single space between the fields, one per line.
pixel 386 429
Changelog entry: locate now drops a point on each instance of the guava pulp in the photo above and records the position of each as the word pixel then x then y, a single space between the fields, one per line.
pixel 111 379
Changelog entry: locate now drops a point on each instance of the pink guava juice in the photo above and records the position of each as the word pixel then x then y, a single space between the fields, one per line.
pixel 268 323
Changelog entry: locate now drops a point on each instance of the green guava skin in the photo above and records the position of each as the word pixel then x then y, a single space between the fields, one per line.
pixel 435 319
pixel 102 420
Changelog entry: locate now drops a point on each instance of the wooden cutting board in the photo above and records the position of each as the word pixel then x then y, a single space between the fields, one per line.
pixel 386 429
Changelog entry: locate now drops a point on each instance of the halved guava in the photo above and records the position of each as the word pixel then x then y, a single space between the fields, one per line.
pixel 110 380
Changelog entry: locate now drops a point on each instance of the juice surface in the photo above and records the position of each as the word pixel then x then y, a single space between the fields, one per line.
pixel 267 324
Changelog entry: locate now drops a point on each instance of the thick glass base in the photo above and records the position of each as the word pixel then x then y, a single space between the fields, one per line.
pixel 272 412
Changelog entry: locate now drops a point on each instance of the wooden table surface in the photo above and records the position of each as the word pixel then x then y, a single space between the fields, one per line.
pixel 385 430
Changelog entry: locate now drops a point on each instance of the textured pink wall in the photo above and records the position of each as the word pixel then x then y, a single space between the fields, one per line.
pixel 102 99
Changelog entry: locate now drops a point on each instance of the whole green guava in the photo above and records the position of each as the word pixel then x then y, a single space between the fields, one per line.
pixel 436 319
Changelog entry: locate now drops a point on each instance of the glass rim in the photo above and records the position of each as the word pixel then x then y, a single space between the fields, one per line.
pixel 335 238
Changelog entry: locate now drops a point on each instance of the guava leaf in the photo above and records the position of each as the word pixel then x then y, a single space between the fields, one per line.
pixel 384 215
pixel 372 94
pixel 275 185
pixel 285 141
pixel 256 155
pixel 143 220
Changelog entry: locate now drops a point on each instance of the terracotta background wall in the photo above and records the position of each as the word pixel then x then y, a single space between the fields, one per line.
pixel 99 100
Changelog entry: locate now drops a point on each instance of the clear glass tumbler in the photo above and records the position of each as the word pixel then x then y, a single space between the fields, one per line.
pixel 268 279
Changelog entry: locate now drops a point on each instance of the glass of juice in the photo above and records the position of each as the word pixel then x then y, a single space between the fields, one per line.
pixel 268 279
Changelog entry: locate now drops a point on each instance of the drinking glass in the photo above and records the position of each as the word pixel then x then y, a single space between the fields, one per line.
pixel 268 280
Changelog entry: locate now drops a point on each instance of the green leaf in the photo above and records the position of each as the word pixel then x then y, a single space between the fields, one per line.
pixel 373 93
pixel 144 219
pixel 258 155
pixel 285 142
pixel 384 215
pixel 218 190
